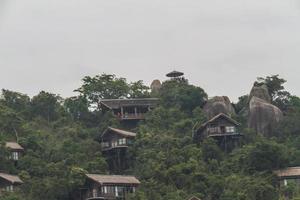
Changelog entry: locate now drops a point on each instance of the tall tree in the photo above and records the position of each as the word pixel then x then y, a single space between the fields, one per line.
pixel 15 100
pixel 46 105
pixel 138 90
pixel 280 97
pixel 104 86
pixel 77 106
pixel 179 93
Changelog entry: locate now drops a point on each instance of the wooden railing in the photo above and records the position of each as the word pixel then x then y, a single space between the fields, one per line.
pixel 132 116
pixel 110 146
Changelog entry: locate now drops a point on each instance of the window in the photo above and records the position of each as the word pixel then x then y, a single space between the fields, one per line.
pixel 285 183
pixel 15 155
pixel 104 190
pixel 95 193
pixel 114 143
pixel 230 129
pixel 105 144
pixel 119 191
pixel 9 188
pixel 213 130
pixel 122 141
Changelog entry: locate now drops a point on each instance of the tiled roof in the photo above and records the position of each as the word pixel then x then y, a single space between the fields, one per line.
pixel 113 179
pixel 221 115
pixel 288 172
pixel 11 178
pixel 119 131
pixel 117 103
pixel 14 146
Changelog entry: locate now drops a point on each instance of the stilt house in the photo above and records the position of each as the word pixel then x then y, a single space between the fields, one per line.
pixel 288 175
pixel 15 149
pixel 9 183
pixel 129 109
pixel 114 138
pixel 114 143
pixel 222 128
pixel 108 187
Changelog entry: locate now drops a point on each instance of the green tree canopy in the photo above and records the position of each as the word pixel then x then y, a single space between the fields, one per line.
pixel 279 95
pixel 178 93
pixel 104 86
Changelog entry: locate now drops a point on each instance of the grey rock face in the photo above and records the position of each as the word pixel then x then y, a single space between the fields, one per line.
pixel 263 116
pixel 155 86
pixel 217 105
pixel 260 92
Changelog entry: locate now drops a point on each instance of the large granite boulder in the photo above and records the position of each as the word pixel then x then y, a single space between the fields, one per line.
pixel 263 116
pixel 217 105
pixel 260 91
pixel 155 86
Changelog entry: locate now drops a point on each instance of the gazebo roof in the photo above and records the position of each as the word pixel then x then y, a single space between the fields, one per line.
pixel 174 74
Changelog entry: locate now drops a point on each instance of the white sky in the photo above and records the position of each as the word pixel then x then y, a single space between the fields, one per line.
pixel 221 46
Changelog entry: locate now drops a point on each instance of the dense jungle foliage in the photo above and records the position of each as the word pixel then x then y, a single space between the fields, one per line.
pixel 61 141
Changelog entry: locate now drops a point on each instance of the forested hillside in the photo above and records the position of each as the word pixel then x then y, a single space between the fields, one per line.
pixel 61 142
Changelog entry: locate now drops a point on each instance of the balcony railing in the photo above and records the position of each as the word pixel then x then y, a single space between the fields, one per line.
pixel 107 196
pixel 112 145
pixel 132 116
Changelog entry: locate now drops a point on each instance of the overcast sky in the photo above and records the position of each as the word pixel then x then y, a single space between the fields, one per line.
pixel 221 46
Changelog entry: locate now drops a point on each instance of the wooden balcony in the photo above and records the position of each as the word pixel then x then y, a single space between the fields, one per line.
pixel 133 116
pixel 115 147
pixel 108 196
pixel 106 146
pixel 219 134
pixel 223 134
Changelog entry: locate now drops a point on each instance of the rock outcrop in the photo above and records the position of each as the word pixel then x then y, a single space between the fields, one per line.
pixel 260 92
pixel 263 116
pixel 217 105
pixel 155 86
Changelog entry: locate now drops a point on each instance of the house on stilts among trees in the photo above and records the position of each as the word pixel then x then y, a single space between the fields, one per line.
pixel 107 187
pixel 114 144
pixel 222 128
pixel 15 149
pixel 129 109
pixel 9 183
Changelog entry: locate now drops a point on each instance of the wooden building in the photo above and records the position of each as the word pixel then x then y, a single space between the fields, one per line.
pixel 290 174
pixel 114 138
pixel 114 143
pixel 15 149
pixel 9 183
pixel 129 109
pixel 108 187
pixel 221 128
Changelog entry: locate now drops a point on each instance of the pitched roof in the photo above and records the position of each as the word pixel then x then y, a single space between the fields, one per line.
pixel 11 178
pixel 119 131
pixel 221 115
pixel 113 179
pixel 117 103
pixel 14 146
pixel 194 198
pixel 288 172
